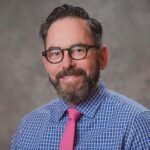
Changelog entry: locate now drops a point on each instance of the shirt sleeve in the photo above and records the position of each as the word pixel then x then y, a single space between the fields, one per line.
pixel 15 143
pixel 139 136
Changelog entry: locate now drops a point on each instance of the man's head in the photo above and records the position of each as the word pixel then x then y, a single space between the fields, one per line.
pixel 71 11
pixel 73 53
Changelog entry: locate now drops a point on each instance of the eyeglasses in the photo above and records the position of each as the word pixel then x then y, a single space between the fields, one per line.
pixel 55 55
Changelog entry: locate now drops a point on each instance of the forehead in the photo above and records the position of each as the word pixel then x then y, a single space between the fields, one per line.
pixel 67 31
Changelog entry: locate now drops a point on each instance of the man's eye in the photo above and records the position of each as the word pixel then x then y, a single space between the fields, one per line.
pixel 78 50
pixel 54 53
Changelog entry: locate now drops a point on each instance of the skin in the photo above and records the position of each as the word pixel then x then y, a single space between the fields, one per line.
pixel 63 33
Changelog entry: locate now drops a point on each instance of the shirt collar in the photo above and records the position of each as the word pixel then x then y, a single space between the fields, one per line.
pixel 59 109
pixel 92 104
pixel 87 108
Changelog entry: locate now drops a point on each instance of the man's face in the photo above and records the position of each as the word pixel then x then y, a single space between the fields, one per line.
pixel 73 79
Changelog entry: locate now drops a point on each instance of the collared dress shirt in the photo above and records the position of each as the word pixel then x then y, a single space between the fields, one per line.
pixel 109 121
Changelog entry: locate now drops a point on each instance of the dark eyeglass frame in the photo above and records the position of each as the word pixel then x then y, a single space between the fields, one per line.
pixel 87 47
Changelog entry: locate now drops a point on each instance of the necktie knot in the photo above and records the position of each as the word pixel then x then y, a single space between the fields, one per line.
pixel 73 114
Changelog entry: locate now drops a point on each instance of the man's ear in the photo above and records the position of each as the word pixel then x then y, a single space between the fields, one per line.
pixel 45 63
pixel 44 60
pixel 103 57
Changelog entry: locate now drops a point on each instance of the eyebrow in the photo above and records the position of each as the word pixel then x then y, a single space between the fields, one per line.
pixel 75 44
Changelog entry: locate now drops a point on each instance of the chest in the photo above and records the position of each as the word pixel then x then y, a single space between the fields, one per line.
pixel 92 134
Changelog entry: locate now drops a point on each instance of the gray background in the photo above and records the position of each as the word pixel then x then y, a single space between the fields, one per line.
pixel 23 81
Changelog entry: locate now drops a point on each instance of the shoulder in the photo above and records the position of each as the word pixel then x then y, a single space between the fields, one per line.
pixel 132 117
pixel 122 102
pixel 40 114
pixel 123 109
pixel 33 123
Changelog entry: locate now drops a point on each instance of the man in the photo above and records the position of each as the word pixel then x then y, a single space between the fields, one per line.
pixel 103 120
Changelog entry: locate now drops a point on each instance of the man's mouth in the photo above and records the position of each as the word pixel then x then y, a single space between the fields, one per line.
pixel 69 77
pixel 70 73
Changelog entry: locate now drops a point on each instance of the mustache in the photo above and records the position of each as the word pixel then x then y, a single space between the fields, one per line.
pixel 71 71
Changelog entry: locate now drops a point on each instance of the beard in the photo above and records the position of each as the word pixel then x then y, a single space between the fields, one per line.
pixel 80 94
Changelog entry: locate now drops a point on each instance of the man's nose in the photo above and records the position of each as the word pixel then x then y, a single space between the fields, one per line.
pixel 67 61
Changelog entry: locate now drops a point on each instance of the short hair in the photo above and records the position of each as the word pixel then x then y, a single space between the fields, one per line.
pixel 72 11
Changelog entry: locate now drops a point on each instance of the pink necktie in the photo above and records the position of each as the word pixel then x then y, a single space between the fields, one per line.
pixel 67 140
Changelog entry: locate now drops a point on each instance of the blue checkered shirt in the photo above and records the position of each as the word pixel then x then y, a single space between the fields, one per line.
pixel 109 121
